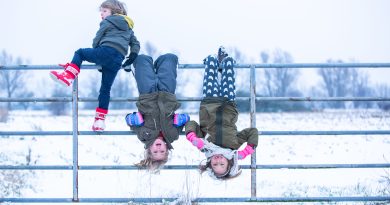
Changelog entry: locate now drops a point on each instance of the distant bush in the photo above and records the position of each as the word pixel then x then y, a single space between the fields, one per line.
pixel 384 106
pixel 12 182
pixel 3 115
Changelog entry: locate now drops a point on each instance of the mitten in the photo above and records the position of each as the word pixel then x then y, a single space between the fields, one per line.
pixel 180 119
pixel 134 119
pixel 197 142
pixel 130 59
pixel 248 150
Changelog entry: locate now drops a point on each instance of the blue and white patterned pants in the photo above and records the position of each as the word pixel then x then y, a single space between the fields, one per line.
pixel 211 86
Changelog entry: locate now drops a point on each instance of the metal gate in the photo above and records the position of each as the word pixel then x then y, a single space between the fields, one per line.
pixel 252 197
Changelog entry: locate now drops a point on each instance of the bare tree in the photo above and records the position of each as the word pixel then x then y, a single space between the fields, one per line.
pixel 279 81
pixel 151 50
pixel 338 82
pixel 123 87
pixel 383 91
pixel 60 108
pixel 11 81
pixel 360 88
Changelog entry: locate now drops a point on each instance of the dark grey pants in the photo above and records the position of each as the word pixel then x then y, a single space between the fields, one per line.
pixel 158 76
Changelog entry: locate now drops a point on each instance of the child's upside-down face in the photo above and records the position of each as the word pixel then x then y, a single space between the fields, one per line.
pixel 219 164
pixel 158 149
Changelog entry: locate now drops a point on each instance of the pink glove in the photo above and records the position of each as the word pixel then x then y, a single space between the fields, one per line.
pixel 248 150
pixel 197 142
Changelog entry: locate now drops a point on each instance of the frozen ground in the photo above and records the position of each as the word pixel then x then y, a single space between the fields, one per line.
pixel 126 150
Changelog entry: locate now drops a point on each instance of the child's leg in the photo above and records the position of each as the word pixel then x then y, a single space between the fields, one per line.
pixel 166 68
pixel 144 74
pixel 85 54
pixel 108 77
pixel 228 85
pixel 210 79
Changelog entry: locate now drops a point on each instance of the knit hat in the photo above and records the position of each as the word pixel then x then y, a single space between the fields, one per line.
pixel 210 149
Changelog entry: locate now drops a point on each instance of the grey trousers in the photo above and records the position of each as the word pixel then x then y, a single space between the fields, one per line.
pixel 158 76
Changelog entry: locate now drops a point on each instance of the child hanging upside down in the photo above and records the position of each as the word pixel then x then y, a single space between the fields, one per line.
pixel 216 135
pixel 156 123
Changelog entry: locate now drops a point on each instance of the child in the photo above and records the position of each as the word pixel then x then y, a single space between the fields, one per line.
pixel 217 134
pixel 110 45
pixel 156 123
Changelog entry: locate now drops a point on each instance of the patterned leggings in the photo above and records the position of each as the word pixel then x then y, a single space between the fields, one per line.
pixel 211 86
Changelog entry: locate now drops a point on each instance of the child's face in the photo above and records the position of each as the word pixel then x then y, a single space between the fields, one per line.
pixel 219 164
pixel 158 149
pixel 104 12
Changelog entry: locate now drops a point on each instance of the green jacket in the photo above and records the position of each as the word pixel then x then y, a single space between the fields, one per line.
pixel 218 117
pixel 157 110
pixel 116 31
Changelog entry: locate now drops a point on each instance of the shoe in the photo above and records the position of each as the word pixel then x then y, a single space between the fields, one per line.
pixel 100 116
pixel 67 76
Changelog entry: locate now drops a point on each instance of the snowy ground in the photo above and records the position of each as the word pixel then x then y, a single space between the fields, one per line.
pixel 126 150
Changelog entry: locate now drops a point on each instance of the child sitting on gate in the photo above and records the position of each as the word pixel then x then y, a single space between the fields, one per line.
pixel 109 48
pixel 156 123
pixel 216 135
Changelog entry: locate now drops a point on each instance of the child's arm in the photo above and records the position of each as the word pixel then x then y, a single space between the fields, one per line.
pixel 249 135
pixel 99 34
pixel 197 142
pixel 134 50
pixel 248 150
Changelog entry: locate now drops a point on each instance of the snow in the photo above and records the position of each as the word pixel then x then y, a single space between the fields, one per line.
pixel 127 150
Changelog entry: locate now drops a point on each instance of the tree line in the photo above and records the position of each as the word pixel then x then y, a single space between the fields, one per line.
pixel 270 82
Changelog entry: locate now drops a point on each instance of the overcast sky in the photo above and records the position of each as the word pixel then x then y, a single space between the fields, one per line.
pixel 312 31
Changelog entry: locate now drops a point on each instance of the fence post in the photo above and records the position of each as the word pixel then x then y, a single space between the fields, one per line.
pixel 75 140
pixel 253 124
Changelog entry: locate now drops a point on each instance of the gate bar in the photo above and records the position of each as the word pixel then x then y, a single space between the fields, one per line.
pixel 261 133
pixel 202 199
pixel 188 167
pixel 194 99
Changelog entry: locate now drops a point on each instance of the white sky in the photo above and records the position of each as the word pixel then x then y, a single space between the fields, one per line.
pixel 49 31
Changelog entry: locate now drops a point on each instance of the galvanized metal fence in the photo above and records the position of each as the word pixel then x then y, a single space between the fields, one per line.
pixel 75 132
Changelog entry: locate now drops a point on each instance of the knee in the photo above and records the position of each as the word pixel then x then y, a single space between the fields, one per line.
pixel 228 61
pixel 142 59
pixel 170 56
pixel 210 61
pixel 79 52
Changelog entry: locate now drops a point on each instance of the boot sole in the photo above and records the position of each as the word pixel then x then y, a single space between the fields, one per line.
pixel 98 131
pixel 54 77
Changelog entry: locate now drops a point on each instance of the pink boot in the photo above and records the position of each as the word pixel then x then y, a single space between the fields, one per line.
pixel 98 125
pixel 67 76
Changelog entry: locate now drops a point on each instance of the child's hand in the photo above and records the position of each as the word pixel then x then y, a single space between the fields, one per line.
pixel 180 119
pixel 134 119
pixel 129 61
pixel 248 150
pixel 197 142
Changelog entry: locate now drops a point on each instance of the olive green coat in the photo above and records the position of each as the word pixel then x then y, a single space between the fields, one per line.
pixel 218 118
pixel 157 110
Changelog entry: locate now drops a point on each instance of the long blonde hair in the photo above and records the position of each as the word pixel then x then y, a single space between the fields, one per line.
pixel 116 7
pixel 151 164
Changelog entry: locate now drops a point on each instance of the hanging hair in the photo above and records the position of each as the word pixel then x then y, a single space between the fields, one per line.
pixel 207 167
pixel 115 6
pixel 150 164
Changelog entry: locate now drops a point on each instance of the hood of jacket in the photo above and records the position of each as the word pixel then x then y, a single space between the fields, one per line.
pixel 120 21
pixel 211 149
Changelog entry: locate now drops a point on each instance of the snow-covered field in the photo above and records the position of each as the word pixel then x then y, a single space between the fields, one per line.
pixel 126 150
